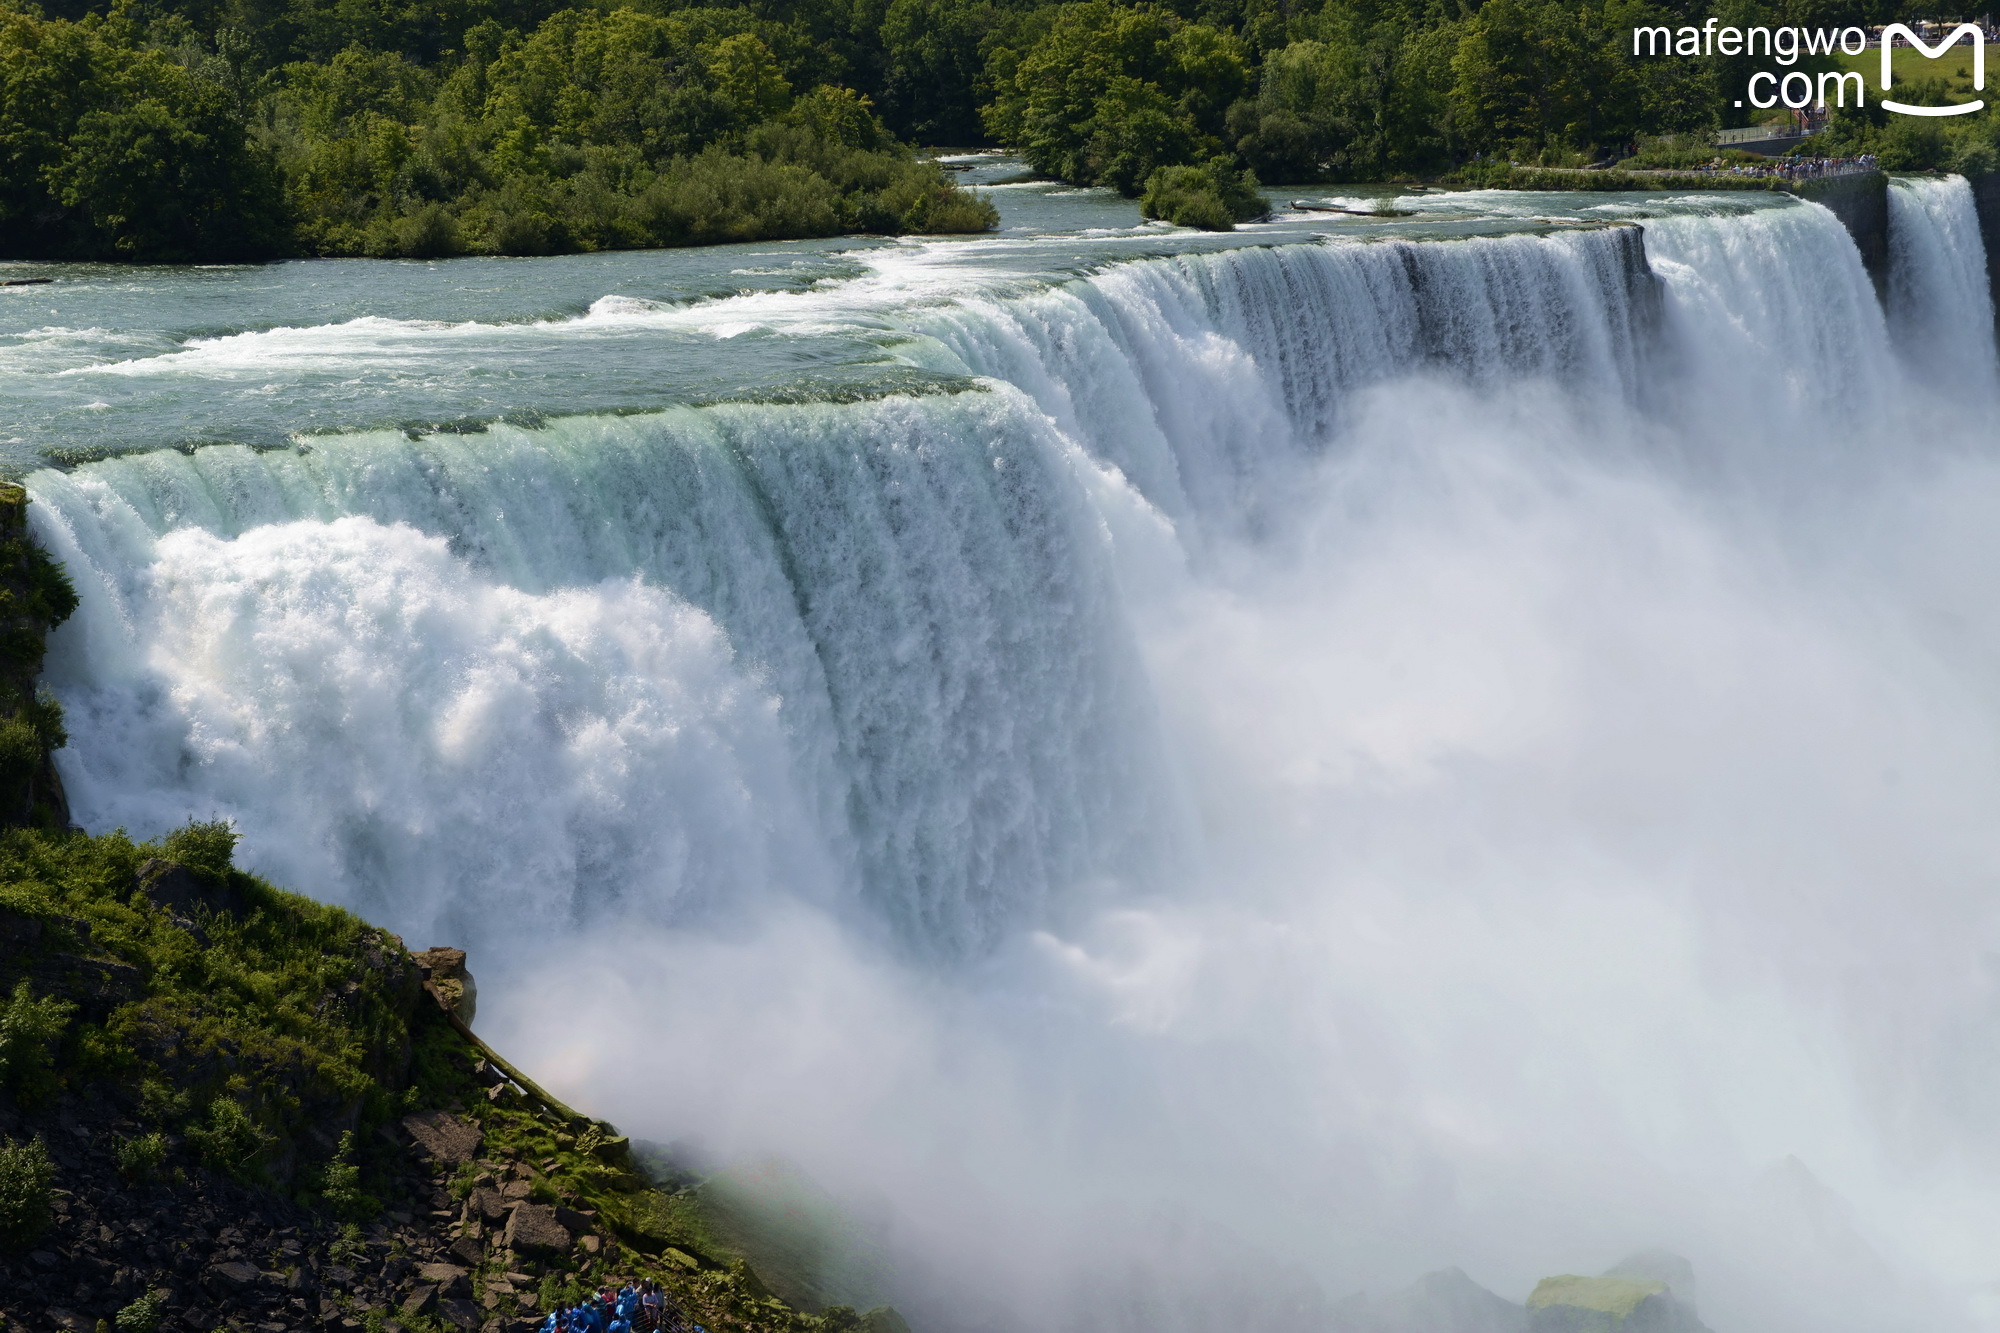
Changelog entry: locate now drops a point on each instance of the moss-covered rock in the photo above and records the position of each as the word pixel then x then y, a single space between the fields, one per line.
pixel 1571 1304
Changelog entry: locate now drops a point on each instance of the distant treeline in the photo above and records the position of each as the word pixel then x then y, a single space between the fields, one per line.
pixel 204 129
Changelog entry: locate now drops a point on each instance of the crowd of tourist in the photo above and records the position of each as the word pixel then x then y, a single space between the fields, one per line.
pixel 633 1308
pixel 1807 168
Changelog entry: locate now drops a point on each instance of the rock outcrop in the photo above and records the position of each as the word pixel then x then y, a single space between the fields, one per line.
pixel 1861 202
pixel 185 894
pixel 448 980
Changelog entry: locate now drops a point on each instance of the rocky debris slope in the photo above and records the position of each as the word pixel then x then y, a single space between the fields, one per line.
pixel 223 1106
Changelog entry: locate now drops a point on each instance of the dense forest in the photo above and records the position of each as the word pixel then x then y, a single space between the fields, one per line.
pixel 206 129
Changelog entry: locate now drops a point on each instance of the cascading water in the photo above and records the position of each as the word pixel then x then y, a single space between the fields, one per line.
pixel 1940 303
pixel 1316 763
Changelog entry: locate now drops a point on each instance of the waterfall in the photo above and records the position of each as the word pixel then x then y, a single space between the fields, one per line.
pixel 1203 378
pixel 1940 305
pixel 1291 767
pixel 480 683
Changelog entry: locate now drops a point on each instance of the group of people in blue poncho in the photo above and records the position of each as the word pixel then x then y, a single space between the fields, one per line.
pixel 634 1308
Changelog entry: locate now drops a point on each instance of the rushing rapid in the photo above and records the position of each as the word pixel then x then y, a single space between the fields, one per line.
pixel 1183 784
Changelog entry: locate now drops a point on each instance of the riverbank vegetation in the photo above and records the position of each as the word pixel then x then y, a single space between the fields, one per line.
pixel 217 1097
pixel 211 129
pixel 202 133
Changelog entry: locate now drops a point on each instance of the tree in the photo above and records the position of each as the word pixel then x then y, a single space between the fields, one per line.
pixel 116 152
pixel 1536 76
pixel 1107 95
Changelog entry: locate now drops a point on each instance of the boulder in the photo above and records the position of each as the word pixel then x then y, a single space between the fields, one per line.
pixel 449 1279
pixel 448 979
pixel 421 1301
pixel 236 1273
pixel 1571 1304
pixel 485 1203
pixel 180 891
pixel 460 1313
pixel 446 1138
pixel 533 1229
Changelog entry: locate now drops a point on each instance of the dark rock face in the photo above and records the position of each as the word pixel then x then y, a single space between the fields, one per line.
pixel 1986 201
pixel 1862 204
pixel 182 892
pixel 444 1136
pixel 56 955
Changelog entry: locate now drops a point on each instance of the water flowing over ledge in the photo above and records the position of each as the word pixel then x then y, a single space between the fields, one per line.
pixel 1179 763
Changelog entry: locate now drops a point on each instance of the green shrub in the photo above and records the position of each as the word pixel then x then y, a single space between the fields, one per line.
pixel 228 1139
pixel 143 1315
pixel 1214 198
pixel 343 1193
pixel 29 1031
pixel 140 1158
pixel 1911 144
pixel 21 756
pixel 1975 158
pixel 205 848
pixel 1673 152
pixel 160 1103
pixel 26 1174
pixel 429 233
